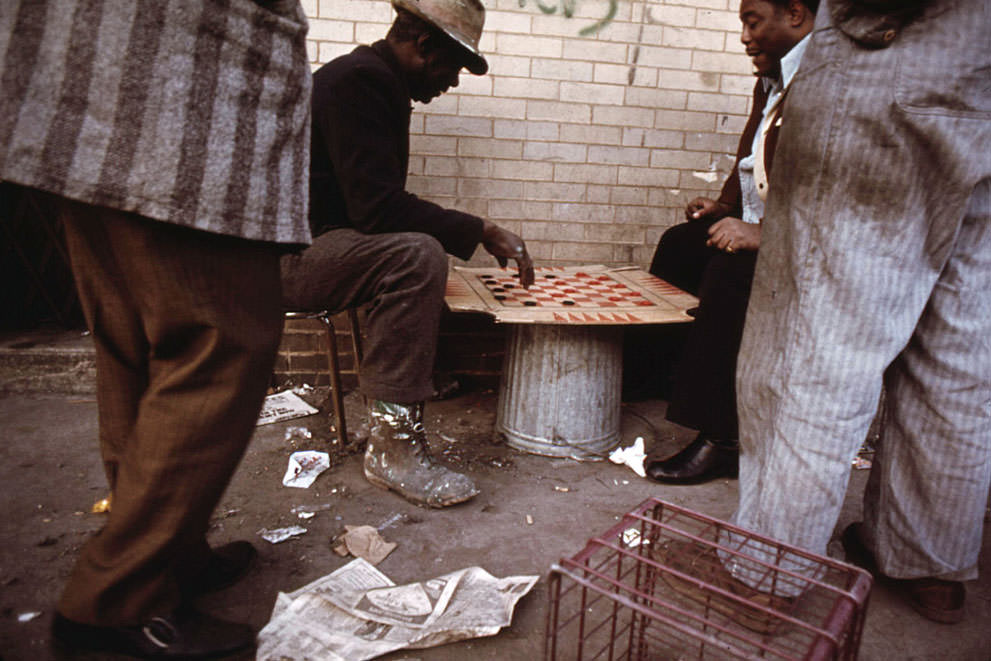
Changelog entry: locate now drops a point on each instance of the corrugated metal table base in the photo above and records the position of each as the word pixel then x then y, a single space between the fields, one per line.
pixel 560 393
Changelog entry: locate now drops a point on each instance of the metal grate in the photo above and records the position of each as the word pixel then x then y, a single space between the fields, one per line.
pixel 670 583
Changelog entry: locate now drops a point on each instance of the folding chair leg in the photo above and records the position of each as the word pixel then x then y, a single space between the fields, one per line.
pixel 335 380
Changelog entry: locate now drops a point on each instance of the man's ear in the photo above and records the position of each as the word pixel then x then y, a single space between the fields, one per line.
pixel 797 13
pixel 424 44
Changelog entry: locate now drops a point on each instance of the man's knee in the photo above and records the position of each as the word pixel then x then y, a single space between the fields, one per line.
pixel 422 255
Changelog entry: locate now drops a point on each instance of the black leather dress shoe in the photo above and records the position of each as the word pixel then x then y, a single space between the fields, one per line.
pixel 227 565
pixel 933 598
pixel 703 460
pixel 185 635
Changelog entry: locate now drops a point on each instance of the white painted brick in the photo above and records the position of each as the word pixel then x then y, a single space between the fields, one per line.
pixel 622 116
pixel 619 74
pixel 721 62
pixel 664 58
pixel 356 10
pixel 595 51
pixel 445 104
pixel 491 148
pixel 504 21
pixel 553 191
pixel 329 51
pixel 705 40
pixel 534 46
pixel 667 14
pixel 439 166
pixel 592 93
pixel 732 124
pixel 457 125
pixel 310 7
pixel 528 170
pixel 679 159
pixel 637 137
pixel 312 50
pixel 581 252
pixel 536 210
pixel 507 209
pixel 496 107
pixel 553 231
pixel 554 151
pixel 578 113
pixel 649 97
pixel 652 176
pixel 509 128
pixel 635 215
pixel 430 144
pixel 624 195
pixel 718 142
pixel 580 173
pixel 591 134
pixel 728 21
pixel 615 233
pixel 678 79
pixel 727 103
pixel 432 186
pixel 369 33
pixel 507 65
pixel 557 25
pixel 619 155
pixel 471 85
pixel 597 194
pixel 623 32
pixel 736 84
pixel 543 131
pixel 582 212
pixel 490 188
pixel 326 30
pixel 690 121
pixel 525 88
pixel 562 69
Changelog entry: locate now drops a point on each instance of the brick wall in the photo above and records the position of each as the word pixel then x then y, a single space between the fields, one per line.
pixel 597 122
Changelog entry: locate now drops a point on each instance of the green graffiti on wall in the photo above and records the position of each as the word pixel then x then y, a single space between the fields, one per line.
pixel 567 8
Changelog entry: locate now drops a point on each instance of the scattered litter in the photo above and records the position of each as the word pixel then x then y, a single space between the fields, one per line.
pixel 564 489
pixel 281 534
pixel 27 617
pixel 102 506
pixel 284 405
pixel 632 538
pixel 632 456
pixel 297 434
pixel 306 515
pixel 364 542
pixel 304 467
pixel 391 521
pixel 304 389
pixel 358 613
pixel 529 520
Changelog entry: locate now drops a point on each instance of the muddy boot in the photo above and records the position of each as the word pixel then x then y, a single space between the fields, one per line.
pixel 397 458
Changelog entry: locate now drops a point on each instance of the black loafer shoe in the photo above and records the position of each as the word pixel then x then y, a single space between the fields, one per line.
pixel 703 460
pixel 935 599
pixel 189 635
pixel 227 565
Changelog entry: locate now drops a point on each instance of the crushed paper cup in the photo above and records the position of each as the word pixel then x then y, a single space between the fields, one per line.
pixel 281 534
pixel 632 456
pixel 304 467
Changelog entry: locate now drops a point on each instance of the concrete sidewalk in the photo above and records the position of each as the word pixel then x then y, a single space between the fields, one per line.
pixel 532 511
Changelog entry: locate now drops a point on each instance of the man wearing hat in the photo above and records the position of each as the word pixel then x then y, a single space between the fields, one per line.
pixel 378 245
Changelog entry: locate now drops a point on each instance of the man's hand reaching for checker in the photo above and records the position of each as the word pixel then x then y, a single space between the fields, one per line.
pixel 504 245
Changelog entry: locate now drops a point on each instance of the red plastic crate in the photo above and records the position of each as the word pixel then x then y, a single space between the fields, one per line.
pixel 652 587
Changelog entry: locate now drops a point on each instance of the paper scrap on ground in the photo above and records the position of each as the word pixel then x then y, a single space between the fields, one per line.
pixel 364 542
pixel 358 613
pixel 284 405
pixel 632 456
pixel 304 467
pixel 277 535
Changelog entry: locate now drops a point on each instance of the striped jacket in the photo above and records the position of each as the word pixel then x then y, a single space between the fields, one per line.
pixel 193 112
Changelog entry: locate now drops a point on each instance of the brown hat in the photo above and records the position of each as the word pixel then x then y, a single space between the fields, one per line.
pixel 461 20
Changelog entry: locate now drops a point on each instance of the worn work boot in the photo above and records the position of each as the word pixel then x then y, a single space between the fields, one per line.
pixel 397 458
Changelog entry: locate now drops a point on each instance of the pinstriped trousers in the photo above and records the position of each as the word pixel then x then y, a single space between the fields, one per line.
pixel 875 266
pixel 186 325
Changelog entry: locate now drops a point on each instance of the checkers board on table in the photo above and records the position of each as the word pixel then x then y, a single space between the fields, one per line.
pixel 594 294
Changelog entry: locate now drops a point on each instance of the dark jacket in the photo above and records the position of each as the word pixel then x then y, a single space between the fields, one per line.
pixel 360 155
pixel 730 194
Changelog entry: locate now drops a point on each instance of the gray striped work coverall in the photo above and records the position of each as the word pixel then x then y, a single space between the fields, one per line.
pixel 875 266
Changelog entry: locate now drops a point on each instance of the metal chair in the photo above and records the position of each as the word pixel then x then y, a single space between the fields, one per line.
pixel 333 361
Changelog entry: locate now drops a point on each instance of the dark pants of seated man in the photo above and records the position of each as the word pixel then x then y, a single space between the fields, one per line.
pixel 703 394
pixel 401 276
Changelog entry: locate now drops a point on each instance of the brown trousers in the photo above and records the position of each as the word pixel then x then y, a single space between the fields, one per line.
pixel 186 325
